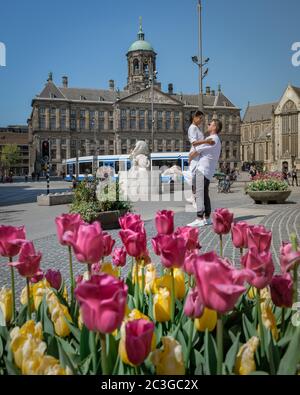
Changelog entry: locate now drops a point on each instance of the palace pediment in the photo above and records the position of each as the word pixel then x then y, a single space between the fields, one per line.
pixel 145 96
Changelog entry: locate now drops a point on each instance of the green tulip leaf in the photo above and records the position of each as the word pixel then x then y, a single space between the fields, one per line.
pixel 182 341
pixel 85 365
pixel 84 343
pixel 272 353
pixel 210 354
pixel 65 356
pixel 11 368
pixel 22 316
pixel 1 347
pixel 2 318
pixel 291 358
pixel 249 328
pixel 4 333
pixel 231 354
pixel 75 331
pixel 111 352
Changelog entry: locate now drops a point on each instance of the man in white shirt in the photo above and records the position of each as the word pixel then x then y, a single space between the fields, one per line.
pixel 206 167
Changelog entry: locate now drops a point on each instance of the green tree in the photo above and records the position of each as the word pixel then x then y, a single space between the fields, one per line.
pixel 10 155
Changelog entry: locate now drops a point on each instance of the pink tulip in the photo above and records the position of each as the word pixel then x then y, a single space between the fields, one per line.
pixel 54 278
pixel 108 244
pixel 219 285
pixel 288 257
pixel 29 261
pixel 156 242
pixel 96 268
pixel 259 237
pixel 262 266
pixel 139 334
pixel 135 240
pixel 188 264
pixel 172 250
pixel 239 234
pixel 193 307
pixel 164 221
pixel 79 279
pixel 128 220
pixel 190 235
pixel 282 290
pixel 102 301
pixel 119 257
pixel 39 276
pixel 87 243
pixel 67 225
pixel 11 239
pixel 222 220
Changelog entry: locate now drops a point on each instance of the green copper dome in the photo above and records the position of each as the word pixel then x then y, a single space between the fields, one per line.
pixel 141 44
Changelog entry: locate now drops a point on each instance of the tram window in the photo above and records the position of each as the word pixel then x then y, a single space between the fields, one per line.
pixel 85 168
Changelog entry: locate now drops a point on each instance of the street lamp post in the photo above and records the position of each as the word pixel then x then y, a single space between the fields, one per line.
pixel 151 81
pixel 200 55
pixel 198 60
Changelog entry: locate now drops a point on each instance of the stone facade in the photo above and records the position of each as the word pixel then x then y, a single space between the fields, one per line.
pixel 88 122
pixel 16 134
pixel 270 133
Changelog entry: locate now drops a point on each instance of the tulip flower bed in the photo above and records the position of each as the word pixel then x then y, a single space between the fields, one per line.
pixel 187 313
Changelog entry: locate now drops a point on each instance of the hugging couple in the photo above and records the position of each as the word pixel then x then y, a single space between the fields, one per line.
pixel 203 161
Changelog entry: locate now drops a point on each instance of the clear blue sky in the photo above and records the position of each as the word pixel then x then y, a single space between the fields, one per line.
pixel 248 41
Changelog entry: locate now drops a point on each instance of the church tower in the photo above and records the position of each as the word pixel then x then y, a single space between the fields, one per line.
pixel 141 59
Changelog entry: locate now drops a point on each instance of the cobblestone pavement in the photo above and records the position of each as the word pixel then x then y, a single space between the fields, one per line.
pixel 281 219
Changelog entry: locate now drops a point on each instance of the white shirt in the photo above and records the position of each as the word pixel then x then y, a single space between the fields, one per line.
pixel 209 157
pixel 194 134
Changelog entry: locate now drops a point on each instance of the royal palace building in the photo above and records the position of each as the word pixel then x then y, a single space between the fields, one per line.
pixel 85 122
pixel 270 133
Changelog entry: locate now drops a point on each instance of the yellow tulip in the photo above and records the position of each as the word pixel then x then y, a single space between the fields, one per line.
pixel 252 293
pixel 166 282
pixel 208 321
pixel 59 315
pixel 25 341
pixel 245 362
pixel 108 268
pixel 135 314
pixel 149 274
pixel 44 365
pixel 169 360
pixel 162 305
pixel 37 290
pixel 6 303
pixel 268 318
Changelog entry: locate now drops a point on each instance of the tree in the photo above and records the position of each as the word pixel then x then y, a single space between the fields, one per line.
pixel 10 155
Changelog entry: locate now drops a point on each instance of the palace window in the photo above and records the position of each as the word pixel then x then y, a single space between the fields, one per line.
pixel 290 129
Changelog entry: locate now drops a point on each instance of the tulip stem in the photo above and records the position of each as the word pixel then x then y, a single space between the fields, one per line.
pixel 190 341
pixel 94 351
pixel 282 321
pixel 294 243
pixel 260 323
pixel 143 283
pixel 241 251
pixel 89 270
pixel 103 354
pixel 220 344
pixel 71 273
pixel 28 299
pixel 295 283
pixel 136 287
pixel 12 278
pixel 172 296
pixel 221 246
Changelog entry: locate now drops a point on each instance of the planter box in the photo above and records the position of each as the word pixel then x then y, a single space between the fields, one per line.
pixel 110 219
pixel 54 199
pixel 269 197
